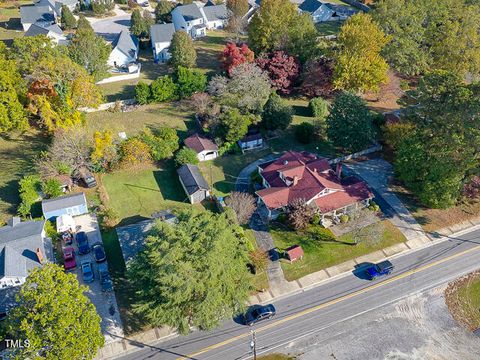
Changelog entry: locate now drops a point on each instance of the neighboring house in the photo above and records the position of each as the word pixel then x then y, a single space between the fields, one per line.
pixel 189 18
pixel 74 204
pixel 321 12
pixel 40 15
pixel 251 141
pixel 52 31
pixel 125 50
pixel 161 38
pixel 205 148
pixel 56 5
pixel 193 183
pixel 215 16
pixel 305 176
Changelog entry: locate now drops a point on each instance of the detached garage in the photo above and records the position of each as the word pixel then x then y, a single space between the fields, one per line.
pixel 73 205
pixel 193 183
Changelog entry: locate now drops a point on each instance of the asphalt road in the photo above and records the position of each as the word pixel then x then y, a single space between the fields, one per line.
pixel 312 311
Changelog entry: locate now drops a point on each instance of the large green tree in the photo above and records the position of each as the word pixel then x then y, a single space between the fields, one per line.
pixel 182 50
pixel 67 19
pixel 163 10
pixel 358 63
pixel 277 114
pixel 234 125
pixel 192 273
pixel 350 124
pixel 55 316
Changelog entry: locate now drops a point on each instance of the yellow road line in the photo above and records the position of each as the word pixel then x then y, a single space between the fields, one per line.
pixel 329 303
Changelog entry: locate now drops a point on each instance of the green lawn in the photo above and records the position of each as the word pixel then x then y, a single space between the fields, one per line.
pixel 276 357
pixel 329 27
pixel 260 280
pixel 462 297
pixel 209 49
pixel 10 26
pixel 321 255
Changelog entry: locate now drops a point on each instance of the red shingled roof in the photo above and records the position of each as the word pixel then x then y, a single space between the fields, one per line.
pixel 200 143
pixel 294 252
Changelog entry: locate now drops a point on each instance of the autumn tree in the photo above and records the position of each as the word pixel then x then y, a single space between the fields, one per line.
pixel 237 20
pixel 358 63
pixel 182 50
pixel 105 154
pixel 243 204
pixel 282 69
pixel 317 78
pixel 134 152
pixel 234 54
pixel 181 282
pixel 163 11
pixel 67 19
pixel 299 214
pixel 55 316
pixel 163 142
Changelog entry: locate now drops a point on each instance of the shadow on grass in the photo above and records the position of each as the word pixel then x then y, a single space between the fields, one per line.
pixel 302 111
pixel 168 182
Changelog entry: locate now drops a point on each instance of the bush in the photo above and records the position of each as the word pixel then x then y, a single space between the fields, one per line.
pixel 29 188
pixel 276 114
pixel 51 231
pixel 142 93
pixel 374 207
pixel 282 218
pixel 395 133
pixel 316 219
pixel 259 260
pixel 189 82
pixel 304 132
pixel 51 188
pixel 109 217
pixel 186 156
pixel 319 108
pixel 344 218
pixel 321 234
pixel 255 177
pixel 163 143
pixel 134 152
pixel 163 89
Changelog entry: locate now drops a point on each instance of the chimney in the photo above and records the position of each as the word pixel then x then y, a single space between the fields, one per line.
pixel 14 221
pixel 295 180
pixel 39 255
pixel 338 171
pixel 285 162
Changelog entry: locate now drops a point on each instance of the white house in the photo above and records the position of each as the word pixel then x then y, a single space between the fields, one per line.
pixel 205 148
pixel 73 205
pixel 56 5
pixel 251 141
pixel 189 18
pixel 161 38
pixel 40 15
pixel 215 16
pixel 125 50
pixel 52 31
pixel 321 12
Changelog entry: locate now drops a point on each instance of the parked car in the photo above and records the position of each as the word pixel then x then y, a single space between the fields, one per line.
pixel 105 280
pixel 69 262
pixel 86 177
pixel 259 313
pixel 378 270
pixel 99 253
pixel 87 271
pixel 82 242
pixel 67 237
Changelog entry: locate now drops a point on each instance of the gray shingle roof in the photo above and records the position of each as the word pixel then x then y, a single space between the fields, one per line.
pixel 36 29
pixel 31 14
pixel 162 32
pixel 217 12
pixel 192 178
pixel 189 12
pixel 310 6
pixel 63 202
pixel 126 43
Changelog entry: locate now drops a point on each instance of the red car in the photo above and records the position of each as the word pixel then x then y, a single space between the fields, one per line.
pixel 69 261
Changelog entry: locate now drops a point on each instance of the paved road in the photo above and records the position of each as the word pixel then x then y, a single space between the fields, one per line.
pixel 316 310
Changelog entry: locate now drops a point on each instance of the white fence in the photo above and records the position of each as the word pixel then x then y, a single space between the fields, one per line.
pixel 356 155
pixel 116 78
pixel 110 105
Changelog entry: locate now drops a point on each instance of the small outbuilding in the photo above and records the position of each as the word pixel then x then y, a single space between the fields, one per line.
pixel 73 205
pixel 294 253
pixel 205 148
pixel 251 141
pixel 193 183
pixel 65 223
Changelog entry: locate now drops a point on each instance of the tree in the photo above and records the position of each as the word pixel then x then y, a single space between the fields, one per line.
pixel 234 125
pixel 317 78
pixel 142 93
pixel 162 89
pixel 277 113
pixel 193 273
pixel 133 152
pixel 137 24
pixel 189 82
pixel 100 7
pixel 105 154
pixel 67 19
pixel 90 51
pixel 234 55
pixel 237 21
pixel 358 63
pixel 302 39
pixel 299 214
pixel 163 142
pixel 238 7
pixel 319 107
pixel 282 69
pixel 29 188
pixel 163 11
pixel 243 204
pixel 52 188
pixel 55 316
pixel 305 132
pixel 182 50
pixel 186 156
pixel 350 124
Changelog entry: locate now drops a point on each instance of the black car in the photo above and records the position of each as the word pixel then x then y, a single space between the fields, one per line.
pixel 98 253
pixel 259 313
pixel 82 242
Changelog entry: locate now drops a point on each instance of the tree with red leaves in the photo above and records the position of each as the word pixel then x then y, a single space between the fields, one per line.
pixel 234 55
pixel 282 69
pixel 317 79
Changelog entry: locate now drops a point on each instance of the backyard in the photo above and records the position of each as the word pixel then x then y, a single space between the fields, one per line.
pixel 321 254
pixel 10 26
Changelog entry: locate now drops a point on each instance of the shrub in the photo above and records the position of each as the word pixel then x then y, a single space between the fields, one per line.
pixel 51 231
pixel 344 218
pixel 276 114
pixel 163 142
pixel 109 217
pixel 259 259
pixel 395 133
pixel 134 152
pixel 189 82
pixel 186 156
pixel 304 132
pixel 282 218
pixel 51 188
pixel 163 89
pixel 29 187
pixel 142 93
pixel 319 108
pixel 321 234
pixel 316 219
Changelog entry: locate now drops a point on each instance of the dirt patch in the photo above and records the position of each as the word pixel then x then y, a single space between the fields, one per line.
pixel 462 297
pixel 386 98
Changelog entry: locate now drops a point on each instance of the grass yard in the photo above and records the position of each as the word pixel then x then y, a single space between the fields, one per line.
pixel 463 299
pixel 327 28
pixel 323 254
pixel 208 50
pixel 276 357
pixel 260 280
pixel 10 26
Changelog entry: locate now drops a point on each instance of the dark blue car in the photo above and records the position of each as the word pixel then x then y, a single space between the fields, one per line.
pixel 258 313
pixel 82 242
pixel 377 270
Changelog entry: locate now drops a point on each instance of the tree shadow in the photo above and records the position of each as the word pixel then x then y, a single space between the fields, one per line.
pixel 168 182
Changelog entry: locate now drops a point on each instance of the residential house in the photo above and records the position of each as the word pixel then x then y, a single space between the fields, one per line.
pixel 40 15
pixel 73 204
pixel 56 5
pixel 251 141
pixel 52 31
pixel 193 183
pixel 305 176
pixel 205 148
pixel 189 18
pixel 161 38
pixel 125 50
pixel 215 16
pixel 321 12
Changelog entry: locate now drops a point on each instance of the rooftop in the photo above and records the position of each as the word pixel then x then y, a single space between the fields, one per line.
pixel 192 178
pixel 200 143
pixel 216 12
pixel 30 14
pixel 63 202
pixel 162 32
pixel 189 12
pixel 126 43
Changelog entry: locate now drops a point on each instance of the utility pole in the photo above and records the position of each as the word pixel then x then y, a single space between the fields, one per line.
pixel 253 344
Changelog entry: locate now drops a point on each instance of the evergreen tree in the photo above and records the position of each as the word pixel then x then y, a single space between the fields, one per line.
pixel 67 19
pixel 182 50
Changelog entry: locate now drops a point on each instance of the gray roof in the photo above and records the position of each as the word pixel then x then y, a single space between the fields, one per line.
pixel 36 29
pixel 63 202
pixel 126 43
pixel 310 6
pixel 189 12
pixel 19 242
pixel 32 14
pixel 162 32
pixel 217 12
pixel 192 178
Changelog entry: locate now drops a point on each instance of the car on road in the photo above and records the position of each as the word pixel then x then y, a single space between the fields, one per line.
pixel 375 271
pixel 69 262
pixel 99 253
pixel 87 271
pixel 259 313
pixel 82 242
pixel 105 280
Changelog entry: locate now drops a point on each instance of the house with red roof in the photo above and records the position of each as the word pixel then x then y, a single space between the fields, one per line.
pixel 303 175
pixel 205 148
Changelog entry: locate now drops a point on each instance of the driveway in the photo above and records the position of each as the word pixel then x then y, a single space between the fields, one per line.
pixel 106 303
pixel 109 28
